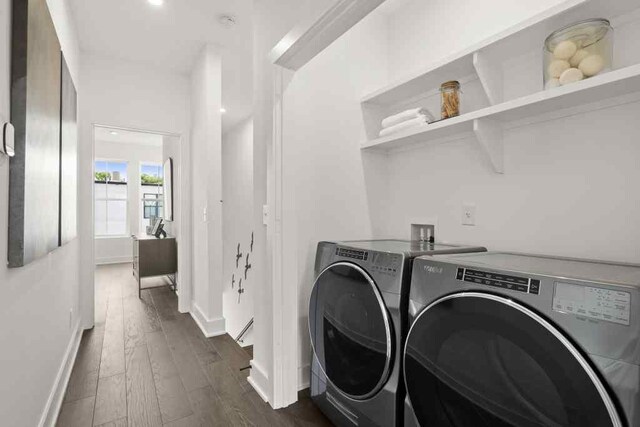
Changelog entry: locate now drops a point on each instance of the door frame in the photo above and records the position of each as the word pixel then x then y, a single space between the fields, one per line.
pixel 184 241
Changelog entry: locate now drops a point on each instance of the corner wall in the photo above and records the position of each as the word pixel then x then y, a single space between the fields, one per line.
pixel 206 152
pixel 237 192
pixel 39 308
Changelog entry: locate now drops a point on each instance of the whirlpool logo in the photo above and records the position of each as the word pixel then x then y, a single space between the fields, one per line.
pixel 433 270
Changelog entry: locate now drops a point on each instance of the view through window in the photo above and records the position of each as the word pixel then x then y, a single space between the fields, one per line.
pixel 110 189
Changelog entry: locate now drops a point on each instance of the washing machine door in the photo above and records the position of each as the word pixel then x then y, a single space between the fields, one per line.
pixel 350 330
pixel 476 359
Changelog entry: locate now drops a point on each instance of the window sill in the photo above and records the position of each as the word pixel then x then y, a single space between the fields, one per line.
pixel 124 236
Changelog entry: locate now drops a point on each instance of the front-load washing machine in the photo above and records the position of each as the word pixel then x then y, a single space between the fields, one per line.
pixel 357 321
pixel 501 339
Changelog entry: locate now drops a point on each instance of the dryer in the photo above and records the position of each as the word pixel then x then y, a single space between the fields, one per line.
pixel 503 339
pixel 357 322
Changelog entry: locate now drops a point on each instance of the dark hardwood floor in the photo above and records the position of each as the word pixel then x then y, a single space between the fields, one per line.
pixel 146 364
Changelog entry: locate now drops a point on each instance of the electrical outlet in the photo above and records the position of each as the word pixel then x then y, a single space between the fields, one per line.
pixel 204 214
pixel 468 214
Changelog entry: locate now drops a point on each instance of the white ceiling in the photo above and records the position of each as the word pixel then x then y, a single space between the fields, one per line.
pixel 119 136
pixel 171 36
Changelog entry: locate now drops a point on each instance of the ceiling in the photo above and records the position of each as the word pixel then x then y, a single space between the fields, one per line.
pixel 171 36
pixel 119 136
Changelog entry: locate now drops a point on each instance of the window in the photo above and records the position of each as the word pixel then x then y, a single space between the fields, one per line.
pixel 110 189
pixel 151 180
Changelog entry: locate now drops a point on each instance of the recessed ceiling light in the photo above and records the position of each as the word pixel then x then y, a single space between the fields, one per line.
pixel 223 110
pixel 156 2
pixel 113 132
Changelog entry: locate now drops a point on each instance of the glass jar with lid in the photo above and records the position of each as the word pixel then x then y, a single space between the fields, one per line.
pixel 450 99
pixel 578 51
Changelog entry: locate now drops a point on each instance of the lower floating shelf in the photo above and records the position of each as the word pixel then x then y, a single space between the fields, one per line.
pixel 487 122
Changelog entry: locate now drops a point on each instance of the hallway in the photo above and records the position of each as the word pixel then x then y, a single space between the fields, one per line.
pixel 146 364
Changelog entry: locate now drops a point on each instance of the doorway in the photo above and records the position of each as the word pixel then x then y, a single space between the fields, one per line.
pixel 138 182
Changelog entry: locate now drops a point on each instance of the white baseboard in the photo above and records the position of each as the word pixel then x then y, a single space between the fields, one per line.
pixel 114 260
pixel 209 327
pixel 52 409
pixel 304 375
pixel 259 380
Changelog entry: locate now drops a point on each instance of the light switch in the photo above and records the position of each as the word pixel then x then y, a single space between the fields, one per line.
pixel 265 214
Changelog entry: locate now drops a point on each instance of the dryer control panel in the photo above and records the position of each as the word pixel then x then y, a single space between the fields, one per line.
pixel 497 280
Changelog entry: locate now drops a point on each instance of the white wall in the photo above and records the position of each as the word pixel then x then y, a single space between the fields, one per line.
pixel 323 165
pixel 120 249
pixel 206 139
pixel 237 211
pixel 272 19
pixel 133 96
pixel 37 331
pixel 567 188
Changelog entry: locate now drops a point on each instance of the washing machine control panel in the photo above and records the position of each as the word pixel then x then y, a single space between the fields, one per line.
pixel 386 263
pixel 497 280
pixel 353 254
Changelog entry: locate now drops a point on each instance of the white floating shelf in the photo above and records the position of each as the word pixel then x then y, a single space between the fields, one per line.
pixel 484 60
pixel 527 35
pixel 609 85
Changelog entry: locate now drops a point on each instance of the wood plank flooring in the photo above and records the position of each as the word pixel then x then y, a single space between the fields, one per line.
pixel 146 364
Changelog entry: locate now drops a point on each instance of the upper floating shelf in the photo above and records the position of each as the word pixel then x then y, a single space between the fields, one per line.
pixel 524 36
pixel 598 88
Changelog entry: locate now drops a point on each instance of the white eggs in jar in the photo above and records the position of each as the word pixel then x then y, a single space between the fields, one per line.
pixel 591 65
pixel 557 67
pixel 570 76
pixel 577 51
pixel 578 57
pixel 565 50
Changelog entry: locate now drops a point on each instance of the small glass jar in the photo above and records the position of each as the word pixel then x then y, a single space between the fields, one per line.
pixel 450 99
pixel 578 51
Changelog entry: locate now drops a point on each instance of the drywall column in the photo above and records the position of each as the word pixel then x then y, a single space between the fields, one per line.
pixel 271 21
pixel 206 140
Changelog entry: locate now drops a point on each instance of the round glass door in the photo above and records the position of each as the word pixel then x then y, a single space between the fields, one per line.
pixel 475 360
pixel 350 330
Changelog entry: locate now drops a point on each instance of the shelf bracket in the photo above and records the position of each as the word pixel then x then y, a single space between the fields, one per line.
pixel 490 74
pixel 489 135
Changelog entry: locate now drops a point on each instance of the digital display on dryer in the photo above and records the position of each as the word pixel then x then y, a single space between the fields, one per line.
pixel 596 303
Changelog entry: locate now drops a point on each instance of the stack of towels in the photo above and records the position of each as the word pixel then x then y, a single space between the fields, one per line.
pixel 405 120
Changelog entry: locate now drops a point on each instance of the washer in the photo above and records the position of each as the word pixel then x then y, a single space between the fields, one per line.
pixel 503 339
pixel 357 321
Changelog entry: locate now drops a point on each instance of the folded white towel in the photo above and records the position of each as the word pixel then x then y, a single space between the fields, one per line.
pixel 404 116
pixel 420 120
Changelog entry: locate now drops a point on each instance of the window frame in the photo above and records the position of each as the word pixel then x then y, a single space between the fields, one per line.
pixel 107 199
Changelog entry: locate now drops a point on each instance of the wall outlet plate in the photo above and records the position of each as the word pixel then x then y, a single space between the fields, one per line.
pixel 468 214
pixel 8 140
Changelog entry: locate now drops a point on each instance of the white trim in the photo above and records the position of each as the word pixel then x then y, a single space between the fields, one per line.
pixel 209 327
pixel 51 411
pixel 114 260
pixel 259 380
pixel 312 36
pixel 304 377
